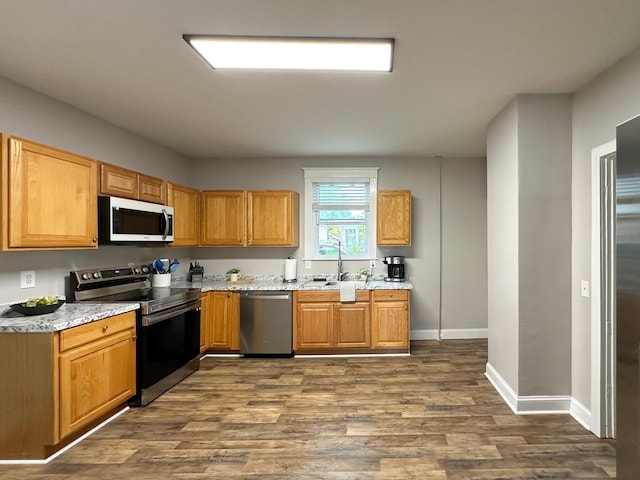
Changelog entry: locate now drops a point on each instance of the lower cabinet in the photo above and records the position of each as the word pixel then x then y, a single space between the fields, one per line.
pixel 378 320
pixel 63 383
pixel 220 318
pixel 97 370
pixel 390 318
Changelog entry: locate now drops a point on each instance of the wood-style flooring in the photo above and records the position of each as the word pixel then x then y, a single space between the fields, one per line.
pixel 432 415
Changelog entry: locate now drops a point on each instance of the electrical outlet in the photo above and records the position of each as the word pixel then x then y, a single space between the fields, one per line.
pixel 27 279
pixel 372 264
pixel 307 264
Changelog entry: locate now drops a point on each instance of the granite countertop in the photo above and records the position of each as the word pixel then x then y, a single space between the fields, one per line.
pixel 74 314
pixel 275 282
pixel 67 316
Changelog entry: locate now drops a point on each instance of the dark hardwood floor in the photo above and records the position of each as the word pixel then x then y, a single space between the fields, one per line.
pixel 429 416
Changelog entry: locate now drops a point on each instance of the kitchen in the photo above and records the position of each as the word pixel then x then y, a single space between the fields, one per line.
pixel 440 279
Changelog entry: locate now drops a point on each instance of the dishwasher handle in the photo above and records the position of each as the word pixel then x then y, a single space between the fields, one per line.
pixel 266 295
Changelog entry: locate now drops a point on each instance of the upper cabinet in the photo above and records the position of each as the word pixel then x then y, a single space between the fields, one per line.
pixel 49 197
pixel 394 217
pixel 223 221
pixel 120 182
pixel 250 218
pixel 186 207
pixel 273 218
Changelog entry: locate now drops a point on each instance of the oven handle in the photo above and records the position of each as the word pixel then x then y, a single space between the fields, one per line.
pixel 165 314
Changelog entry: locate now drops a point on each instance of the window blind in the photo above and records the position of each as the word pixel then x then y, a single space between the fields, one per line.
pixel 341 195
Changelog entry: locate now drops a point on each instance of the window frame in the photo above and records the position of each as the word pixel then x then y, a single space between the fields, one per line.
pixel 339 174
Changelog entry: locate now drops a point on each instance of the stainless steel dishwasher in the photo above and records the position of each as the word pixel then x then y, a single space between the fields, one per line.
pixel 266 323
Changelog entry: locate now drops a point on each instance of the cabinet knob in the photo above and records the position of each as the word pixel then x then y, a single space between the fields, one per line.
pixel 94 239
pixel 105 328
pixel 134 338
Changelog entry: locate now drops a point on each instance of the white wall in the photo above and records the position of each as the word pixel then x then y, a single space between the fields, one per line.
pixel 28 114
pixel 606 101
pixel 464 231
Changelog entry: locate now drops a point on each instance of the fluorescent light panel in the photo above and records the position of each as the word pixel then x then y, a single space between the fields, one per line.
pixel 294 53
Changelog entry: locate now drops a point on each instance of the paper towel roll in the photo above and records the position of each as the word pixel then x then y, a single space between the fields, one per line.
pixel 290 270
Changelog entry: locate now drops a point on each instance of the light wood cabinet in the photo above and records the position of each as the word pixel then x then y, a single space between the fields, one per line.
pixel 97 370
pixel 390 318
pixel 221 314
pixel 394 217
pixel 321 322
pixel 49 197
pixel 250 218
pixel 186 214
pixel 223 221
pixel 63 383
pixel 121 182
pixel 204 312
pixel 273 218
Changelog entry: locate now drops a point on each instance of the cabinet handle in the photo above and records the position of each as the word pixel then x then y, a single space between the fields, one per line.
pixel 105 328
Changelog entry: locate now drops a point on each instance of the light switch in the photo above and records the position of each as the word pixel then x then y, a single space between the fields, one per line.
pixel 584 288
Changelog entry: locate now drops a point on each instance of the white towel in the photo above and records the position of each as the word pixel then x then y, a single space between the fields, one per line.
pixel 347 292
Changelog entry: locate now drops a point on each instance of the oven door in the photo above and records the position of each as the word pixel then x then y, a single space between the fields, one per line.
pixel 168 350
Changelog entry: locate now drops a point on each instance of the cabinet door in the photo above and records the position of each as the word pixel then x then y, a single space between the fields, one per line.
pixel 394 217
pixel 223 218
pixel 314 326
pixel 352 325
pixel 49 197
pixel 390 319
pixel 96 378
pixel 152 189
pixel 204 322
pixel 118 181
pixel 186 219
pixel 273 218
pixel 223 321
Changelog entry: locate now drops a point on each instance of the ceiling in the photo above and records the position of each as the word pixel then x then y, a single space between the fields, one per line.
pixel 457 63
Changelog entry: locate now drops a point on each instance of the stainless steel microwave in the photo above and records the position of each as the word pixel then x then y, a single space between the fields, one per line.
pixel 122 220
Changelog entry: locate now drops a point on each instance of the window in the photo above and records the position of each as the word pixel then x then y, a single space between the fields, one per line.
pixel 340 212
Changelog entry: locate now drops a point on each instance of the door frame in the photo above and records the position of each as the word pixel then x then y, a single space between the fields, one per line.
pixel 602 340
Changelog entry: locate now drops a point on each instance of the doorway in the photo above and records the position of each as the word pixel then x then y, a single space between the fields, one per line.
pixel 603 351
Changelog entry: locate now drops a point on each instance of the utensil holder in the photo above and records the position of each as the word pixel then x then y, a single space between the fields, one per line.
pixel 161 280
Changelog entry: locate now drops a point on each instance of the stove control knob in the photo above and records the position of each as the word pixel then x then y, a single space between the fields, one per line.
pixel 145 269
pixel 96 274
pixel 136 270
pixel 85 276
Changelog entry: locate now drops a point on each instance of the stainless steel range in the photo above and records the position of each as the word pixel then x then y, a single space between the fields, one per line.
pixel 167 324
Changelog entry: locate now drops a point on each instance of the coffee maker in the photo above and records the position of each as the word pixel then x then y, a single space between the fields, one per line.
pixel 395 269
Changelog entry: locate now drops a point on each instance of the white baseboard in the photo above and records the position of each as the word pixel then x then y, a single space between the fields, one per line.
pixel 581 414
pixel 450 333
pixel 533 404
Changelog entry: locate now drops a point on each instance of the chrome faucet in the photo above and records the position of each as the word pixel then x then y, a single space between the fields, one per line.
pixel 341 274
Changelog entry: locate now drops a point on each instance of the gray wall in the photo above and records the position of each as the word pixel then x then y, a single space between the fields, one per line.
pixel 609 99
pixel 529 240
pixel 463 220
pixel 28 114
pixel 502 244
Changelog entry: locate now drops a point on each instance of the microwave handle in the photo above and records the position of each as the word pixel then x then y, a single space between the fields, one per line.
pixel 166 224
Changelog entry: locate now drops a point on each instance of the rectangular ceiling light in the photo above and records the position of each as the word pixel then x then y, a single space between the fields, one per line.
pixel 294 53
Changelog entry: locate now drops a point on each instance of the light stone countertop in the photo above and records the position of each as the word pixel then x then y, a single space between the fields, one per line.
pixel 275 282
pixel 73 314
pixel 67 316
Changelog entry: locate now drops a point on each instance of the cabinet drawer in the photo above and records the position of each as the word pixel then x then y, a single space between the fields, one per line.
pixel 329 296
pixel 76 336
pixel 390 295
